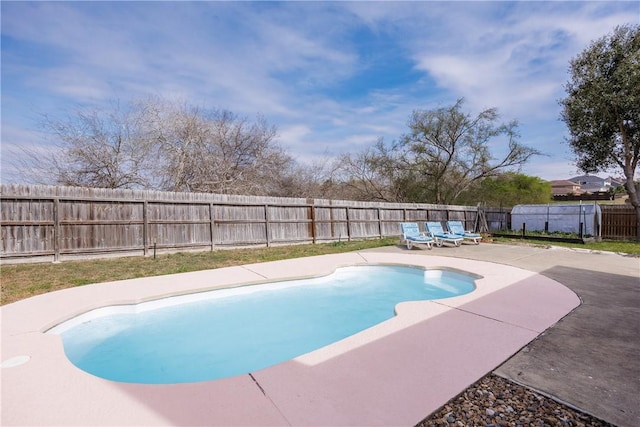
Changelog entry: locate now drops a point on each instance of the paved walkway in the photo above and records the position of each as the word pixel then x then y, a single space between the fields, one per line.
pixel 591 358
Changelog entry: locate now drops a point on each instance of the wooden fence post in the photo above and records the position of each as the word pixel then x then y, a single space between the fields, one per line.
pixel 266 223
pixel 56 230
pixel 145 227
pixel 211 225
pixel 313 223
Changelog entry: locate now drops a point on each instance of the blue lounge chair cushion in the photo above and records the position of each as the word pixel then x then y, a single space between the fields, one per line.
pixel 457 228
pixel 412 234
pixel 436 231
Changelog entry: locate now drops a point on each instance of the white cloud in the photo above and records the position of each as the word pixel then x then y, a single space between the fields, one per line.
pixel 290 136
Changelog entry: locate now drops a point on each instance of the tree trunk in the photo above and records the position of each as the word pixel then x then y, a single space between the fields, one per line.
pixel 637 223
pixel 632 190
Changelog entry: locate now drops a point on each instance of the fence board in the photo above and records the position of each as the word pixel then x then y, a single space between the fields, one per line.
pixel 498 219
pixel 619 222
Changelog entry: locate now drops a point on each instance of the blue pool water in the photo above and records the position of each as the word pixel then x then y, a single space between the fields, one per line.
pixel 228 332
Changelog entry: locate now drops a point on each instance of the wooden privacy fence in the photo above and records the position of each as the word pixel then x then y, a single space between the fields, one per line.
pixel 619 222
pixel 48 222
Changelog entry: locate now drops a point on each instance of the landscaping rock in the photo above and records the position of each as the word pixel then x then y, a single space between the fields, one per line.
pixel 495 401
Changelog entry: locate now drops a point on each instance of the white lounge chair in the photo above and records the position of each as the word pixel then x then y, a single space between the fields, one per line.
pixel 436 231
pixel 412 235
pixel 456 227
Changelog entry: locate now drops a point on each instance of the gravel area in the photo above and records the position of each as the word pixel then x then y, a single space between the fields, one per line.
pixel 494 401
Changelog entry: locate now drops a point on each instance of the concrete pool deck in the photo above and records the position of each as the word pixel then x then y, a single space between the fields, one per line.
pixel 395 373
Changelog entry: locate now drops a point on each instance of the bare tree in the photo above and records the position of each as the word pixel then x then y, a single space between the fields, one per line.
pixel 209 150
pixel 369 175
pixel 94 148
pixel 157 144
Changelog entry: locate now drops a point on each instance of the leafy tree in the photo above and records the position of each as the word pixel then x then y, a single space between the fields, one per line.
pixel 602 107
pixel 509 189
pixel 445 153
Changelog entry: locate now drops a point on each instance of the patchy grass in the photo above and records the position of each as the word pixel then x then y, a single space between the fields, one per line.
pixel 26 280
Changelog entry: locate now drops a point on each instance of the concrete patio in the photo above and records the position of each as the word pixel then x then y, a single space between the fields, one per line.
pixel 395 373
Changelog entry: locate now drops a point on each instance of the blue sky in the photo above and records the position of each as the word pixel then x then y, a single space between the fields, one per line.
pixel 333 77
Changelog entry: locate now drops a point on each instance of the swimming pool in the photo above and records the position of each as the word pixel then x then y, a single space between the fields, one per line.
pixel 234 331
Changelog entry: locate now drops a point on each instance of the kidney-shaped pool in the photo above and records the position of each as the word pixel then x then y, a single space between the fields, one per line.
pixel 227 332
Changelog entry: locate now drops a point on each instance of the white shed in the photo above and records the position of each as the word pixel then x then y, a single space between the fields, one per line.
pixel 564 218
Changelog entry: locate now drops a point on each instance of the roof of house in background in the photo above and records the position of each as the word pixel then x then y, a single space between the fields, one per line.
pixel 563 186
pixel 616 182
pixel 563 183
pixel 587 179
